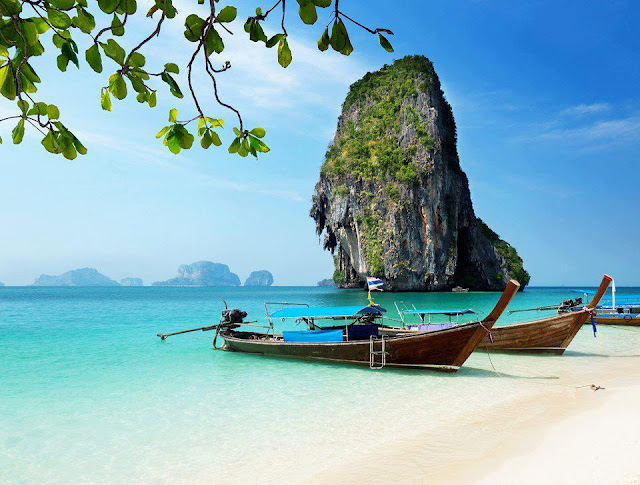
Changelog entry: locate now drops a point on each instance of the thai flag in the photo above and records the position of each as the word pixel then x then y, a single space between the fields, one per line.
pixel 374 283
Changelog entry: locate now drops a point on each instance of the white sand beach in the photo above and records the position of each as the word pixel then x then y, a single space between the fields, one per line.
pixel 563 434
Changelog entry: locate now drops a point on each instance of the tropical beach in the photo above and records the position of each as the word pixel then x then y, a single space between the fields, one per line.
pixel 319 241
pixel 128 409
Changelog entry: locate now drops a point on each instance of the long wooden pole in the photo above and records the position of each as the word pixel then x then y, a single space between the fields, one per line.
pixel 163 336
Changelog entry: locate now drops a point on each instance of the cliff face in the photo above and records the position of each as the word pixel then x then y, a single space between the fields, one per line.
pixel 392 200
pixel 259 278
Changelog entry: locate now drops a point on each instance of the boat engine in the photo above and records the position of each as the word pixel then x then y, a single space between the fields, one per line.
pixel 567 305
pixel 231 316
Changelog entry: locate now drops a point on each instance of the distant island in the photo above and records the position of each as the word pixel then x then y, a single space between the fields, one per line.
pixel 327 282
pixel 259 278
pixel 76 277
pixel 202 273
pixel 131 282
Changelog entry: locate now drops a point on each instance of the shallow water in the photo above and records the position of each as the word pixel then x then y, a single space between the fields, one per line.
pixel 89 393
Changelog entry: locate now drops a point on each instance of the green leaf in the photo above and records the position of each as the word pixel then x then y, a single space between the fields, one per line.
pixel 117 86
pixel 60 38
pixel 63 4
pixel 256 34
pixel 274 40
pixel 127 6
pixel 243 151
pixel 49 142
pixel 113 50
pixel 323 42
pixel 259 132
pixel 30 33
pixel 41 24
pixel 3 74
pixel 12 7
pixel 116 26
pixel 94 59
pixel 136 59
pixel 162 132
pixel 173 85
pixel 348 48
pixel 385 43
pixel 284 53
pixel 308 12
pixel 137 85
pixel 69 50
pixel 23 106
pixel 53 112
pixel 257 146
pixel 84 21
pixel 59 20
pixel 152 100
pixel 227 14
pixel 338 38
pixel 171 67
pixel 206 140
pixel 322 3
pixel 194 27
pixel 215 139
pixel 213 42
pixel 29 73
pixel 18 132
pixel 62 61
pixel 39 108
pixel 8 89
pixel 105 99
pixel 237 132
pixel 173 115
pixel 235 145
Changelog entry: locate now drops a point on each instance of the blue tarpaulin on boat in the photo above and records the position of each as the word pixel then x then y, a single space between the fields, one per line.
pixel 312 336
pixel 335 311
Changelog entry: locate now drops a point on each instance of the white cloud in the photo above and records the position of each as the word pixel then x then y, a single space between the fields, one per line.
pixel 602 133
pixel 586 109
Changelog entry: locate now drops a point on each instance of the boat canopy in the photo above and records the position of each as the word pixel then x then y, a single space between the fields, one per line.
pixel 450 313
pixel 328 312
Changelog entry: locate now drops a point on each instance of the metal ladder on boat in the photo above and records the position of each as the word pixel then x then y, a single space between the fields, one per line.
pixel 373 353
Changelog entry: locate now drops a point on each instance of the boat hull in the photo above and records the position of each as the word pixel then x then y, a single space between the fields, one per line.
pixel 546 336
pixel 622 320
pixel 443 350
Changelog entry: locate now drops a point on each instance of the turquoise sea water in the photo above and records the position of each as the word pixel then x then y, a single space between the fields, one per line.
pixel 89 393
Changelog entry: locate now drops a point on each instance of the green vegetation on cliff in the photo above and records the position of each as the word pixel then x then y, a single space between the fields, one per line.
pixel 508 252
pixel 370 144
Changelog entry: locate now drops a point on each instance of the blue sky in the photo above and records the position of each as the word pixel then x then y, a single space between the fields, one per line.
pixel 545 95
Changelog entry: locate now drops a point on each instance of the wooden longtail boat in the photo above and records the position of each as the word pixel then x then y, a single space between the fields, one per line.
pixel 444 350
pixel 548 335
pixel 623 310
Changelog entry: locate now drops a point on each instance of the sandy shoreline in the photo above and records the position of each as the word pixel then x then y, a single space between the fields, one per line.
pixel 563 433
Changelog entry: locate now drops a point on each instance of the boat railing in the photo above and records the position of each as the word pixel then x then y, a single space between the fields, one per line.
pixel 281 303
pixel 408 308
